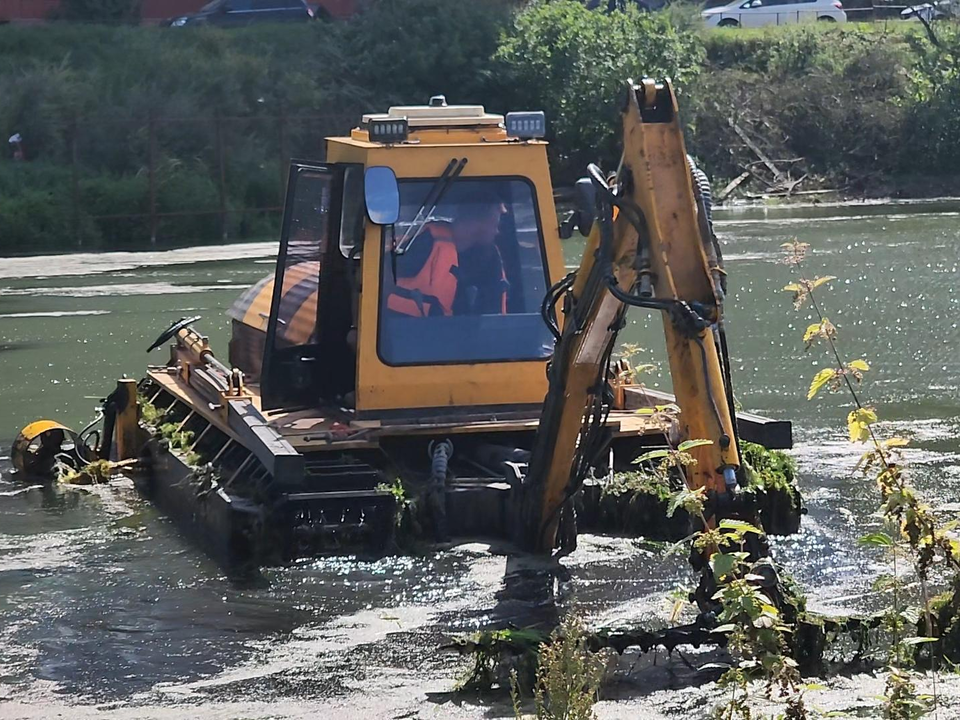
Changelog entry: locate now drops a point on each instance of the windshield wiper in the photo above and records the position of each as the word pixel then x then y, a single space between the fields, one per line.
pixel 433 198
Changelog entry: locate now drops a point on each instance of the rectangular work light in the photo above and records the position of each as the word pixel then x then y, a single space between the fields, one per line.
pixel 393 130
pixel 526 125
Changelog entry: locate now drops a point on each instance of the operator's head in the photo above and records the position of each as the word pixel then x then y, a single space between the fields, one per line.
pixel 476 220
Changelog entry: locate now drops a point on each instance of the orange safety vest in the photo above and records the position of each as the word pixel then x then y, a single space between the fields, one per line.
pixel 432 289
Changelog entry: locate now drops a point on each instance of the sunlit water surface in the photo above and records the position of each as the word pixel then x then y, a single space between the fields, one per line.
pixel 102 601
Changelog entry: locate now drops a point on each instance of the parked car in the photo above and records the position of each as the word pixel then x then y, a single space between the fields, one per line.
pixel 231 13
pixel 757 13
pixel 939 10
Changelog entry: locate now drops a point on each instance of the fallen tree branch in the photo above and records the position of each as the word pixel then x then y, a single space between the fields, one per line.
pixel 733 185
pixel 755 149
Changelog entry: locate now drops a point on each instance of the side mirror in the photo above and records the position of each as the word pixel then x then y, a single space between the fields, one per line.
pixel 586 204
pixel 382 195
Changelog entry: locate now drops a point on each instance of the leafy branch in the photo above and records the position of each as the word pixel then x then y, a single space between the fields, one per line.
pixel 748 616
pixel 915 526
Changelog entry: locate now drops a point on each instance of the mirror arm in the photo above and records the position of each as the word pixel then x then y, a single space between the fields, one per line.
pixel 567 225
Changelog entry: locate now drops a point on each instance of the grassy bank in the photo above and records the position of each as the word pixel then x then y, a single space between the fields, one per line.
pixel 134 122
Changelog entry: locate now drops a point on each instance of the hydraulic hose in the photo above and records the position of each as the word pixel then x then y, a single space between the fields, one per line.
pixel 440 453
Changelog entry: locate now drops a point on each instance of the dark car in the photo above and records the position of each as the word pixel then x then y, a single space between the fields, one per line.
pixel 231 13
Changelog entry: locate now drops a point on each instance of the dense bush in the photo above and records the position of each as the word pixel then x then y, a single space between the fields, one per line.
pixel 573 62
pixel 38 221
pixel 858 105
pixel 99 10
pixel 404 51
pixel 933 118
pixel 838 98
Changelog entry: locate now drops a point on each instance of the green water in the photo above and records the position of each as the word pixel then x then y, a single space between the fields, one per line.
pixel 101 598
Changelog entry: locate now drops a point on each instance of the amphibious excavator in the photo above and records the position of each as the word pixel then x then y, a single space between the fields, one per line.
pixel 422 339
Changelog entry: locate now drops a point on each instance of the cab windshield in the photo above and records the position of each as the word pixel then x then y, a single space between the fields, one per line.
pixel 470 280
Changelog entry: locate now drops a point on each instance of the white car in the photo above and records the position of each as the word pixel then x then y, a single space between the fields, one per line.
pixel 940 10
pixel 757 13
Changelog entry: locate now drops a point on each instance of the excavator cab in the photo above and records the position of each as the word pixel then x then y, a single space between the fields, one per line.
pixel 412 268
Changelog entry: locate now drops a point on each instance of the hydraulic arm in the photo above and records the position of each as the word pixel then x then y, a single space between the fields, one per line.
pixel 651 246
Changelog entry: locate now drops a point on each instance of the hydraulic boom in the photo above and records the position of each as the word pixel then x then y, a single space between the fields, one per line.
pixel 651 246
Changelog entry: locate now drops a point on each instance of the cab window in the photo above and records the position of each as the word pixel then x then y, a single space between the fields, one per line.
pixel 463 281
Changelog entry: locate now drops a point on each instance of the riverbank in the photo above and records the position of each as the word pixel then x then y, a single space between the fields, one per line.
pixel 190 142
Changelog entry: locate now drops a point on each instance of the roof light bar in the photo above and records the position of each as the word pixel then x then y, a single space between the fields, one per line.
pixel 526 125
pixel 393 130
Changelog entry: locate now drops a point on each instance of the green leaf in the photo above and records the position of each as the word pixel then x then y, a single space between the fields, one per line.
pixel 819 380
pixel 859 422
pixel 739 526
pixel 793 287
pixel 917 640
pixel 723 564
pixel 811 332
pixel 817 282
pixel 823 329
pixel 860 365
pixel 911 614
pixel 652 455
pixel 690 500
pixel 877 539
pixel 729 627
pixel 688 444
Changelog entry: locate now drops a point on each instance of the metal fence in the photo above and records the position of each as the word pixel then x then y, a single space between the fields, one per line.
pixel 241 162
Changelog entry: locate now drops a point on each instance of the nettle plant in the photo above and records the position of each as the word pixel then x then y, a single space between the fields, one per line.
pixel 910 531
pixel 745 588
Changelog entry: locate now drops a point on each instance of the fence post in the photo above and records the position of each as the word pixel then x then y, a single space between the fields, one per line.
pixel 221 162
pixel 152 175
pixel 74 182
pixel 282 132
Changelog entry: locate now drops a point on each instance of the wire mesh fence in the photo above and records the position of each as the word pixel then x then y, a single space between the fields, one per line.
pixel 167 179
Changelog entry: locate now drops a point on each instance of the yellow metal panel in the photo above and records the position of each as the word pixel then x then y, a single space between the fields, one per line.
pixel 39 427
pixel 665 193
pixel 127 428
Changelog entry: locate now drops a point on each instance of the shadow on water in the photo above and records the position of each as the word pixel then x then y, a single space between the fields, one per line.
pixel 537 592
pixel 7 347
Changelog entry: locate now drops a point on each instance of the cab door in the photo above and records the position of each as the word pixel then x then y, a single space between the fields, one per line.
pixel 293 359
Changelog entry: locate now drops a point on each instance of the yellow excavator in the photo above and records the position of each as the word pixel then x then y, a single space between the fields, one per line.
pixel 422 338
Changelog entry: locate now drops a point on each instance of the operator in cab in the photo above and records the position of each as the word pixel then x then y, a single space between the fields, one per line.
pixel 454 267
pixel 481 281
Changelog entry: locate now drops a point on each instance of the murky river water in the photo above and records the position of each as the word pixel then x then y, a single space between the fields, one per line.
pixel 103 607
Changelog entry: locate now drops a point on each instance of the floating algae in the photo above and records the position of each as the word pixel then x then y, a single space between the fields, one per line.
pixel 638 502
pixel 97 472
